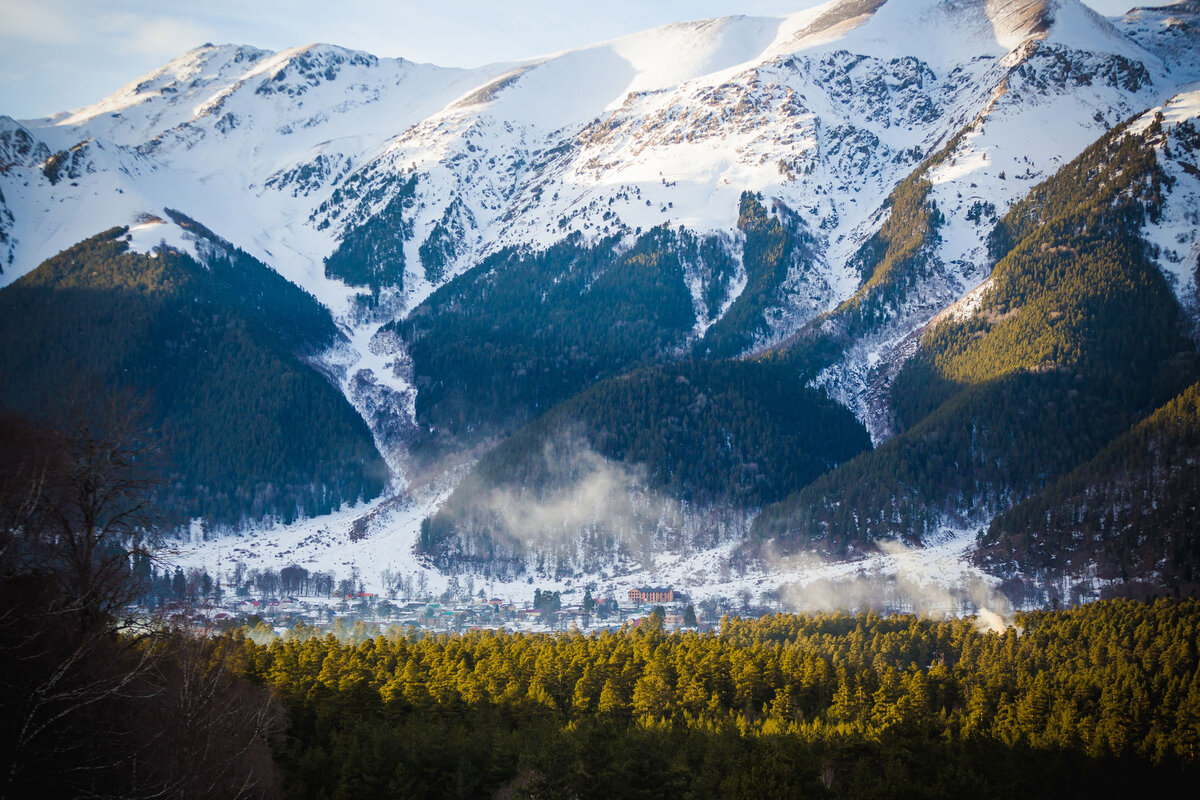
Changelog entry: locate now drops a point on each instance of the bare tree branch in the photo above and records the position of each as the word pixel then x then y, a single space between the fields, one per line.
pixel 91 706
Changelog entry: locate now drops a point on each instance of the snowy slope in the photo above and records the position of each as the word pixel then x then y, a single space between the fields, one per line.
pixel 219 133
pixel 685 117
pixel 1072 77
pixel 937 579
pixel 1169 31
pixel 1174 237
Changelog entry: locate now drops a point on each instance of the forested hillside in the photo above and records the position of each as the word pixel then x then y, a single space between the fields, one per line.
pixel 246 428
pixel 372 254
pixel 890 263
pixel 775 243
pixel 1130 514
pixel 1101 700
pixel 729 434
pixel 1076 337
pixel 741 432
pixel 596 288
pixel 504 342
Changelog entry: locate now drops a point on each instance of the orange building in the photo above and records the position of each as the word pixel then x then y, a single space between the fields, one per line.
pixel 652 594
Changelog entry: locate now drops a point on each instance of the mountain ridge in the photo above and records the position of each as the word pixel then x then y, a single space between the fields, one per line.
pixel 813 188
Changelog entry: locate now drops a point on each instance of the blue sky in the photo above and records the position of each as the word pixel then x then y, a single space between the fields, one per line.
pixel 61 54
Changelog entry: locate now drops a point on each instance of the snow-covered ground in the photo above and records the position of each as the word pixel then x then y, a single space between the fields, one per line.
pixel 324 544
pixel 282 153
pixel 1174 238
pixel 937 579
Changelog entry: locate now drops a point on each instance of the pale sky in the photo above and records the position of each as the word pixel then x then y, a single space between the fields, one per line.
pixel 61 54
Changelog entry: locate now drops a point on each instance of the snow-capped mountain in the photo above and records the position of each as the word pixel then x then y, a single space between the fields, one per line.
pixel 317 155
pixel 826 110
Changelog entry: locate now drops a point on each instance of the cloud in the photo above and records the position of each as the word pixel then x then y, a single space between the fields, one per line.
pixel 49 22
pixel 161 37
pixel 571 508
pixel 60 54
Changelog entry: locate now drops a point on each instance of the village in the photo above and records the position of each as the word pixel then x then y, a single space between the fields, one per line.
pixel 357 615
pixel 274 602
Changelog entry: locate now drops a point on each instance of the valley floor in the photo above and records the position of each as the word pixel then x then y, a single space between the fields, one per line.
pixel 373 544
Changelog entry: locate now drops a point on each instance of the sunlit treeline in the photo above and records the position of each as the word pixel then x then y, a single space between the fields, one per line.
pixel 1108 692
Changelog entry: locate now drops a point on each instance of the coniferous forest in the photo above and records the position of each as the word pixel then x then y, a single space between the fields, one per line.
pixel 1095 701
pixel 719 437
pixel 244 427
pixel 1076 339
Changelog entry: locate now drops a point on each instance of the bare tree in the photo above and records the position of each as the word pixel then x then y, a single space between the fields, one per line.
pixel 267 581
pixel 217 742
pixel 74 513
pixel 95 508
pixel 389 580
pixel 239 574
pixel 86 688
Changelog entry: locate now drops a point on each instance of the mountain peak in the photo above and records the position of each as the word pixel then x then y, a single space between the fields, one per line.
pixel 1171 32
pixel 949 31
pixel 1180 7
pixel 298 69
pixel 183 76
pixel 1019 19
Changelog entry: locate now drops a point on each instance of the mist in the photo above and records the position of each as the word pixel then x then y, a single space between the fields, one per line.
pixel 577 511
pixel 586 491
pixel 892 581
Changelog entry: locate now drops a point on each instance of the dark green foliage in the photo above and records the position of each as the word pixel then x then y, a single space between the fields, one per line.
pixel 1131 512
pixel 981 447
pixel 372 254
pixel 1077 337
pixel 522 331
pixel 890 261
pixel 771 242
pixel 547 601
pixel 1076 295
pixel 439 250
pixel 736 434
pixel 246 428
pixel 1116 159
pixel 714 264
pixel 1095 701
pixel 286 311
